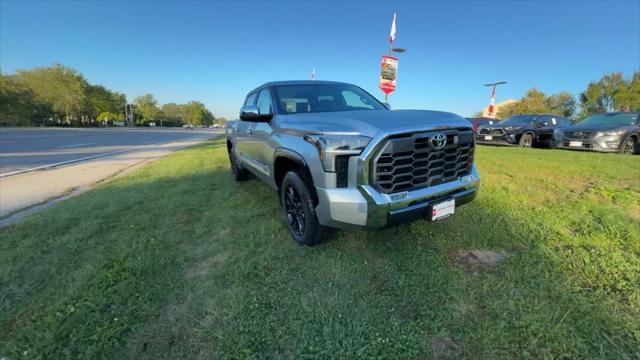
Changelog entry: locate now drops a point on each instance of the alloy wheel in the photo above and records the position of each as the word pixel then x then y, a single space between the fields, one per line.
pixel 628 146
pixel 295 211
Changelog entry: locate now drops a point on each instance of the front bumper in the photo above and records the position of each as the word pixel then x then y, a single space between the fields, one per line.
pixel 506 140
pixel 609 144
pixel 366 208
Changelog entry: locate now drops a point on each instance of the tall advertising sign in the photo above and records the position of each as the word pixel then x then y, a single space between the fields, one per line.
pixel 388 74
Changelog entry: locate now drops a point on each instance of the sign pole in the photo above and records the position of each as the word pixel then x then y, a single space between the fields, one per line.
pixel 389 63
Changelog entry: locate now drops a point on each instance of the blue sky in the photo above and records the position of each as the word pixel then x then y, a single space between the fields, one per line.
pixel 216 51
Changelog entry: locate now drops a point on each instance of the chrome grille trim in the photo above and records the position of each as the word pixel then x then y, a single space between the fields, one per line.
pixel 410 162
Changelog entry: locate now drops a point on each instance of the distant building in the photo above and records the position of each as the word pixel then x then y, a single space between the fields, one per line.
pixel 496 108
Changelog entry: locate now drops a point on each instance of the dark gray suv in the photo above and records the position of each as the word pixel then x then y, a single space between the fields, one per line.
pixel 606 132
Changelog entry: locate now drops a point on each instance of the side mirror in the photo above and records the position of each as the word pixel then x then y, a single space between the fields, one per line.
pixel 387 105
pixel 252 113
pixel 249 113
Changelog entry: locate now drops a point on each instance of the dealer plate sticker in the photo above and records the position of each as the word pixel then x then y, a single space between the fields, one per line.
pixel 575 143
pixel 443 209
pixel 488 137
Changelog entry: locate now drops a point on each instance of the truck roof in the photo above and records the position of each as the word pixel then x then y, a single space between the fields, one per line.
pixel 298 82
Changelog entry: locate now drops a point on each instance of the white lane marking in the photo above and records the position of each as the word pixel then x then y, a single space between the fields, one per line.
pixel 71 161
pixel 74 145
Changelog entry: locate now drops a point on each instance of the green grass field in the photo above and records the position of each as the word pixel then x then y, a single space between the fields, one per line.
pixel 178 261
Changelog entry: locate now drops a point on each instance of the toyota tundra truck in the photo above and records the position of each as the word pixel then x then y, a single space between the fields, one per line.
pixel 339 158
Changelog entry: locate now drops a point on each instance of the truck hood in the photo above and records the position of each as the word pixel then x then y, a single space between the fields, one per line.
pixel 597 127
pixel 370 122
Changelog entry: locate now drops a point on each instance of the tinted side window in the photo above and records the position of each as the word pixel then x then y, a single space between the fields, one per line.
pixel 355 101
pixel 251 99
pixel 264 101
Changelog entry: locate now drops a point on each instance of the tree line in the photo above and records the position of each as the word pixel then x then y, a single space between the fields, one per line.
pixel 613 92
pixel 60 96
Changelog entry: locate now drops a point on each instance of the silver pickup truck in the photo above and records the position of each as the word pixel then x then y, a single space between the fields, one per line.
pixel 338 158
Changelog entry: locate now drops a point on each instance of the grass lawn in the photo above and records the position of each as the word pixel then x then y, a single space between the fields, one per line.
pixel 178 261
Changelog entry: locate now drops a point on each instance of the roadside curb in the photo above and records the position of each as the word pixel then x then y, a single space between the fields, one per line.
pixel 49 166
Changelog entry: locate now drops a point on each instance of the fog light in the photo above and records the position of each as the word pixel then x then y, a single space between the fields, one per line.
pixel 612 144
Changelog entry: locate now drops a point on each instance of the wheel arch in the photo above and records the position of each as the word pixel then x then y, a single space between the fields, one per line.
pixel 285 160
pixel 528 131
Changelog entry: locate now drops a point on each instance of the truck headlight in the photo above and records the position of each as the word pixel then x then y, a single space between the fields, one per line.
pixel 329 146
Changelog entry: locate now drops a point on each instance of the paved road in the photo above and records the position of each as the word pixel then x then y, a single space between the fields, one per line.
pixel 111 152
pixel 22 149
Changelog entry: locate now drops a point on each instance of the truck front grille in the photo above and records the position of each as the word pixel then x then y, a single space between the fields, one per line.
pixel 578 134
pixel 411 162
pixel 491 131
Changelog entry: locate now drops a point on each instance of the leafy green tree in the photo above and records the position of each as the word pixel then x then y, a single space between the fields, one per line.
pixel 18 105
pixel 611 93
pixel 536 102
pixel 629 94
pixel 507 110
pixel 195 113
pixel 562 103
pixel 173 112
pixel 109 116
pixel 220 121
pixel 147 107
pixel 533 102
pixel 100 99
pixel 61 87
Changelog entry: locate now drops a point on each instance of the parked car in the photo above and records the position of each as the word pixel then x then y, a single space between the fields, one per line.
pixel 607 132
pixel 481 121
pixel 338 158
pixel 522 130
pixel 187 126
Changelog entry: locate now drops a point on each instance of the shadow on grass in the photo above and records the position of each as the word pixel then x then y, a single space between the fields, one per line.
pixel 178 261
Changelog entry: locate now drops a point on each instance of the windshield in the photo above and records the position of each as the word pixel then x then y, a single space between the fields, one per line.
pixel 323 97
pixel 520 120
pixel 611 119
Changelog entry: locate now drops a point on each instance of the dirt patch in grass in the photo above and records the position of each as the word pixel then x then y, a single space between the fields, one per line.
pixel 443 347
pixel 635 212
pixel 474 260
pixel 202 267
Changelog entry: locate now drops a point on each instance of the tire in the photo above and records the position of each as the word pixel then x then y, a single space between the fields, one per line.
pixel 526 140
pixel 299 211
pixel 237 171
pixel 629 146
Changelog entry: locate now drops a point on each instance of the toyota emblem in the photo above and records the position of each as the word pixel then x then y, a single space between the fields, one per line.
pixel 438 141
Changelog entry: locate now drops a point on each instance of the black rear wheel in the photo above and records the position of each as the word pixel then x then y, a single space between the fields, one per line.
pixel 628 146
pixel 237 171
pixel 299 210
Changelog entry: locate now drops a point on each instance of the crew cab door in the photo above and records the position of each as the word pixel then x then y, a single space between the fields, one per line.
pixel 243 136
pixel 261 148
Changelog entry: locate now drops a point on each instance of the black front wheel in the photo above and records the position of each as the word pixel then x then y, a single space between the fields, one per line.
pixel 628 146
pixel 526 140
pixel 299 210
